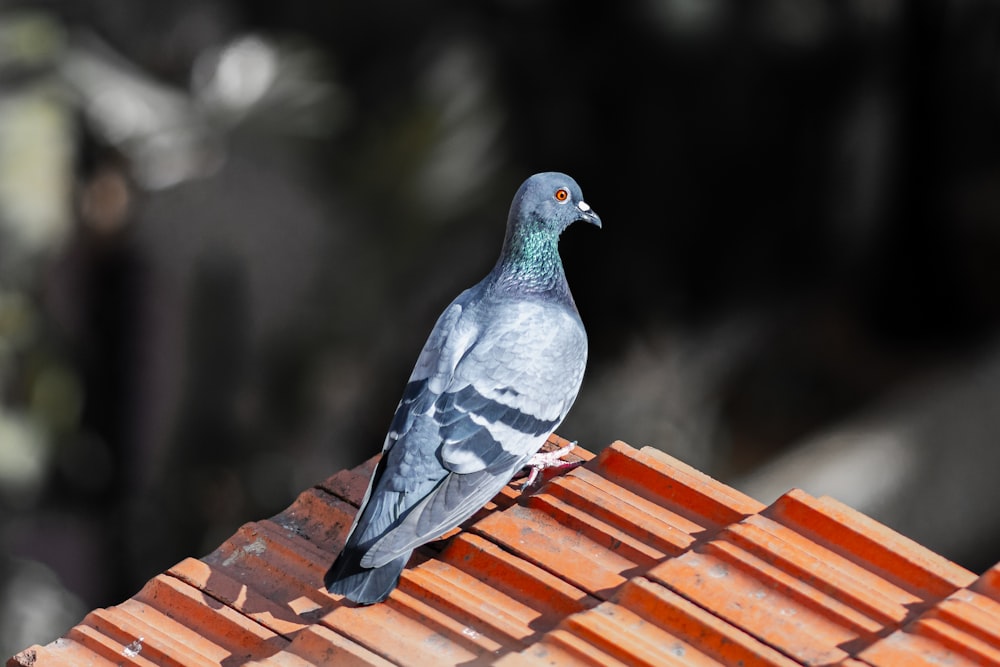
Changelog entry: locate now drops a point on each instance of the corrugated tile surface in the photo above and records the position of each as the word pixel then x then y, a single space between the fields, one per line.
pixel 633 558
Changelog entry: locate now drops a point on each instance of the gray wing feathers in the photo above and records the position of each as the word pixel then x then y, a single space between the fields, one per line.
pixel 487 390
pixel 453 335
pixel 454 500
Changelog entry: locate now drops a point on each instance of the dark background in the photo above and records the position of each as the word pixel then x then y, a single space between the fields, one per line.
pixel 227 228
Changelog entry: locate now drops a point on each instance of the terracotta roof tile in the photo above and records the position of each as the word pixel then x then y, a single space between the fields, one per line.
pixel 633 559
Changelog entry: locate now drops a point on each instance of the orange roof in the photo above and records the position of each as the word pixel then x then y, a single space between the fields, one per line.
pixel 634 558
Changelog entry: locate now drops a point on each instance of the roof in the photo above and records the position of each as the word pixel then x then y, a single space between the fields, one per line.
pixel 633 558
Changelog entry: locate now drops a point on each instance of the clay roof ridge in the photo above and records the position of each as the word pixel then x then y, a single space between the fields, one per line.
pixel 633 558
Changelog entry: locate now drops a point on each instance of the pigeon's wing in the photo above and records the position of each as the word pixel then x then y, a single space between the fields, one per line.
pixel 435 364
pixel 452 501
pixel 509 390
pixel 515 384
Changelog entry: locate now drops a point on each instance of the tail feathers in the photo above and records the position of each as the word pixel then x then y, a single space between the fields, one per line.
pixel 361 584
pixel 368 585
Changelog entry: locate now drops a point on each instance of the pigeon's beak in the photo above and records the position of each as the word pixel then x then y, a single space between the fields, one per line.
pixel 588 214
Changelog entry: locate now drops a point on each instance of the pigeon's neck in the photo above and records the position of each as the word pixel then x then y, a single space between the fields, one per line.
pixel 530 262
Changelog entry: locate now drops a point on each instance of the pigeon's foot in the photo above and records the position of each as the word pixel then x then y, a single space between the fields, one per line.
pixel 544 460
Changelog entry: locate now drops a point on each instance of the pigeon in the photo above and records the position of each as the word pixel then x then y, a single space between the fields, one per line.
pixel 497 375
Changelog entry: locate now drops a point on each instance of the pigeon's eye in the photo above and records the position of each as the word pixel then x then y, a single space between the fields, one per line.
pixel 562 194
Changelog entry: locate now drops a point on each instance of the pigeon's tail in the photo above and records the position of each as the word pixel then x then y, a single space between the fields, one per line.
pixel 364 585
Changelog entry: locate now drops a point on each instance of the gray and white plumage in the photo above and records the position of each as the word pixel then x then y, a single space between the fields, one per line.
pixel 497 375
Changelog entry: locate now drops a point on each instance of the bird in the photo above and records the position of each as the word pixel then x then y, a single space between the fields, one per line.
pixel 497 375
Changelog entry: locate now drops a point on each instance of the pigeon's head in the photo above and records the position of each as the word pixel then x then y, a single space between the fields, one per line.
pixel 552 200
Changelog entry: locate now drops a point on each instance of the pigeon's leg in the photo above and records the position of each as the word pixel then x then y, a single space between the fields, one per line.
pixel 542 460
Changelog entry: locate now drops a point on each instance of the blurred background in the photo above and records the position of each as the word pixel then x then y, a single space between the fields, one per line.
pixel 227 226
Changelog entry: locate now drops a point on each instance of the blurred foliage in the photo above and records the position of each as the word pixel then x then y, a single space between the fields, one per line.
pixel 226 227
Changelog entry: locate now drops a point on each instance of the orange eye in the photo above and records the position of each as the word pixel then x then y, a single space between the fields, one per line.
pixel 562 194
